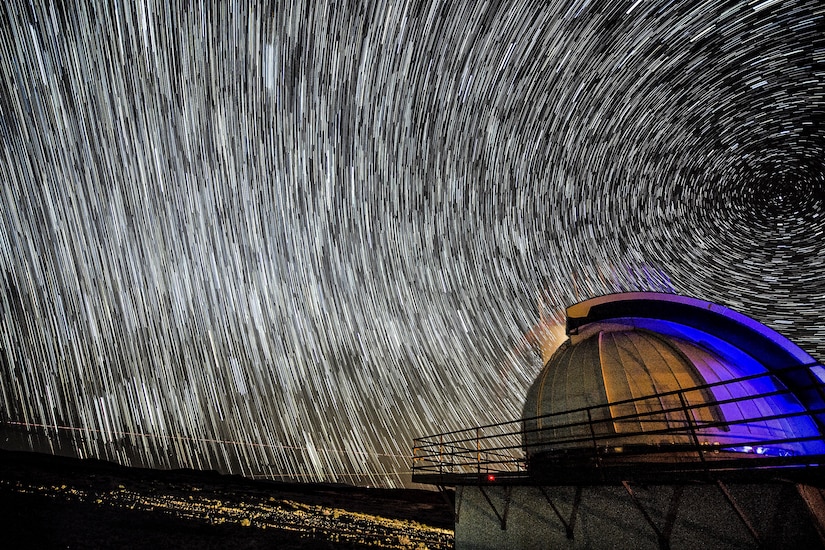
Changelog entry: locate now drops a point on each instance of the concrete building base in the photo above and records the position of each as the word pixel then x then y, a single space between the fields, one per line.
pixel 713 516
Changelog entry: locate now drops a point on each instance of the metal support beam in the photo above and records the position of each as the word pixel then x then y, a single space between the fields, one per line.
pixel 569 525
pixel 739 511
pixel 453 503
pixel 662 534
pixel 814 499
pixel 502 516
pixel 459 498
pixel 670 518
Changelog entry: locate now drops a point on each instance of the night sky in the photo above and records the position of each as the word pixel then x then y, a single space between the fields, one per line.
pixel 284 241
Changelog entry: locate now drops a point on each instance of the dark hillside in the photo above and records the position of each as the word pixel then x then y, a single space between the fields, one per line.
pixel 58 502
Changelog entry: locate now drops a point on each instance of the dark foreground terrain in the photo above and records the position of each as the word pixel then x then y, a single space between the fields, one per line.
pixel 57 502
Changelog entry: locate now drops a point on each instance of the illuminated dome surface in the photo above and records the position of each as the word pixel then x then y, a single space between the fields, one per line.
pixel 638 351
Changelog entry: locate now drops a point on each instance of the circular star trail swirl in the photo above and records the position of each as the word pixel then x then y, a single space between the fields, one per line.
pixel 282 241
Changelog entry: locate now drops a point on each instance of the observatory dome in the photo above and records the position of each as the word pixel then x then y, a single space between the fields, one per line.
pixel 644 369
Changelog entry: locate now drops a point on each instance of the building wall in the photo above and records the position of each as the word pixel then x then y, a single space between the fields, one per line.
pixel 783 516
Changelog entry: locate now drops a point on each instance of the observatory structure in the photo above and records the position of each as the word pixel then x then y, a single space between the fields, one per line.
pixel 663 421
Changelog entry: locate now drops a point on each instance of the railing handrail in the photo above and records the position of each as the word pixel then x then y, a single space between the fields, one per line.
pixel 814 385
pixel 504 444
pixel 703 424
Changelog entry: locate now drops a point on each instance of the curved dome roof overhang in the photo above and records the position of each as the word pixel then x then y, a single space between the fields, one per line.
pixel 774 351
pixel 725 331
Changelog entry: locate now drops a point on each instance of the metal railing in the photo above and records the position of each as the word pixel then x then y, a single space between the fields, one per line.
pixel 733 426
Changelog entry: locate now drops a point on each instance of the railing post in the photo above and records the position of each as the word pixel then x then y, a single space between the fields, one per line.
pixel 593 435
pixel 689 420
pixel 478 450
pixel 817 384
pixel 441 454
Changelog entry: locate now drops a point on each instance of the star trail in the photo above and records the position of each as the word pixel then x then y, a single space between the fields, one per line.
pixel 282 240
